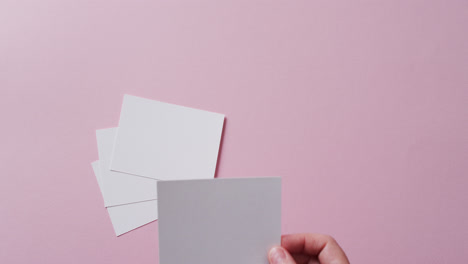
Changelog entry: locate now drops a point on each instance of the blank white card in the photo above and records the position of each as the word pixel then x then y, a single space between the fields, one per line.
pixel 165 141
pixel 228 221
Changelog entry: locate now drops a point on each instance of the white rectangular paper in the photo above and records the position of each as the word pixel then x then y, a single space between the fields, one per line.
pixel 230 221
pixel 120 188
pixel 165 141
pixel 127 217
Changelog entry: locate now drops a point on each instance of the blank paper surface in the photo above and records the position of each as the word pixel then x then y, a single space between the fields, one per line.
pixel 120 188
pixel 127 217
pixel 228 221
pixel 165 141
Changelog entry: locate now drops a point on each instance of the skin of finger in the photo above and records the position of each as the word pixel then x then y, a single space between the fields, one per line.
pixel 305 259
pixel 333 254
pixel 313 260
pixel 288 259
pixel 301 258
pixel 323 246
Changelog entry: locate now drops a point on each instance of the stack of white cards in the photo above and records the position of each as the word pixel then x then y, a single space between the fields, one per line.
pixel 153 141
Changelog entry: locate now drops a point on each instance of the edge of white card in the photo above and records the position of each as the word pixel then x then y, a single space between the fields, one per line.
pixel 172 104
pixel 147 211
pixel 119 188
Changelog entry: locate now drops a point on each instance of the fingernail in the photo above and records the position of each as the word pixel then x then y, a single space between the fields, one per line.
pixel 277 255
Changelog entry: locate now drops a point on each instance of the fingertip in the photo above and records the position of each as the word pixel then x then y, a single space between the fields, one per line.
pixel 276 255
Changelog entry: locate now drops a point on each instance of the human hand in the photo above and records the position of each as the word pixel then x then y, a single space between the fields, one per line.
pixel 307 249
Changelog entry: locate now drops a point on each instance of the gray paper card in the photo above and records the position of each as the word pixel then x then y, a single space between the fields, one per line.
pixel 229 221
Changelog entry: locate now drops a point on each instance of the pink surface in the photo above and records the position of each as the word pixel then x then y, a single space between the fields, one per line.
pixel 361 107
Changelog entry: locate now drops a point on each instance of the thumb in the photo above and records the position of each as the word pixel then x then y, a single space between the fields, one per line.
pixel 279 255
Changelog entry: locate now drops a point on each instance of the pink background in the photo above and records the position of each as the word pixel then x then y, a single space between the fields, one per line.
pixel 361 107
